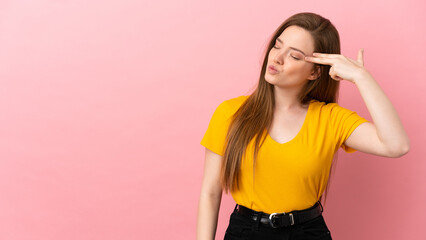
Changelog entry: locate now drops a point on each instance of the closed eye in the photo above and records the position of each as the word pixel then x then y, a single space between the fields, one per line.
pixel 290 55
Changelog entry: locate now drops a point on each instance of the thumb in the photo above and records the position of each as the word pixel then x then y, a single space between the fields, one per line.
pixel 361 56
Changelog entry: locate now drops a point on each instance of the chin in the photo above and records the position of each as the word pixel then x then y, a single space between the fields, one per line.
pixel 267 79
pixel 272 79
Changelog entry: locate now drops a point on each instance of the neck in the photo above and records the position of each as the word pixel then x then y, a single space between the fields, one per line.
pixel 287 100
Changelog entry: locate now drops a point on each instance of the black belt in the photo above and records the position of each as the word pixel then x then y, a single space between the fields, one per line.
pixel 283 219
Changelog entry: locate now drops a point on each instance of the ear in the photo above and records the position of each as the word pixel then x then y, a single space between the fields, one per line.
pixel 316 73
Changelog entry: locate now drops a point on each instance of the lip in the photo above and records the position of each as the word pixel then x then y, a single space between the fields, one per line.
pixel 272 69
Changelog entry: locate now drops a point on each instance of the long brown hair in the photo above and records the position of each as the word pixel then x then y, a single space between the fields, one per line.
pixel 254 117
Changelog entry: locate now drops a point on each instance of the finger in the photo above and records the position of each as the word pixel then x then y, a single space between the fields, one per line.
pixel 334 76
pixel 320 60
pixel 325 55
pixel 361 56
pixel 356 62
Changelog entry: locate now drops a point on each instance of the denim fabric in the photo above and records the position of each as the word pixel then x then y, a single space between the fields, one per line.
pixel 244 228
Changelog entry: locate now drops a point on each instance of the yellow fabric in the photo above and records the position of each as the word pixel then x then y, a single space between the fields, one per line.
pixel 293 175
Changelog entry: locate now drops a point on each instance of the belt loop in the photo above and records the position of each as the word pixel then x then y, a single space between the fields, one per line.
pixel 256 224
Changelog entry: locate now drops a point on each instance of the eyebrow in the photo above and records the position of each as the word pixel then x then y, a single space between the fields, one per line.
pixel 279 40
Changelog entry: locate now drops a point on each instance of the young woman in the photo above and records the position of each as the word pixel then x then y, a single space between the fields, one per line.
pixel 274 149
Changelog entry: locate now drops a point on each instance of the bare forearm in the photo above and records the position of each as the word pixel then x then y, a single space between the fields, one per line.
pixel 208 212
pixel 388 124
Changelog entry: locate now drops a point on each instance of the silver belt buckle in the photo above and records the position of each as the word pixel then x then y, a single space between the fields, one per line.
pixel 272 223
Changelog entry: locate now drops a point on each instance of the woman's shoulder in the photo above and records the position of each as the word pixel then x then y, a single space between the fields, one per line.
pixel 332 109
pixel 327 105
pixel 235 102
pixel 324 109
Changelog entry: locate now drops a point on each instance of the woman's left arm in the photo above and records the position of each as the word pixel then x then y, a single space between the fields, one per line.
pixel 386 137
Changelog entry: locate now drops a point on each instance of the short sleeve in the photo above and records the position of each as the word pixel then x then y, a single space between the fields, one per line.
pixel 214 137
pixel 344 122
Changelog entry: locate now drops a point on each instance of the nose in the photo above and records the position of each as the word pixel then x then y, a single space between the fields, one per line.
pixel 278 58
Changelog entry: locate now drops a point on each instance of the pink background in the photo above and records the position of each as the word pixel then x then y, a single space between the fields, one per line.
pixel 104 104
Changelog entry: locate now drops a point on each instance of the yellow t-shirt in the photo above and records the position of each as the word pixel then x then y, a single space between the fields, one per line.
pixel 293 175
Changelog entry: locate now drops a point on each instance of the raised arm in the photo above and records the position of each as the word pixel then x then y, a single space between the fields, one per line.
pixel 386 137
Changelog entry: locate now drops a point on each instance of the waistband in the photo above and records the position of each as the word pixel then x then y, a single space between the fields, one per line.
pixel 283 219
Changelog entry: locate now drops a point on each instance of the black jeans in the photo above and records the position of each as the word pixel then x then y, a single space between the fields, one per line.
pixel 244 228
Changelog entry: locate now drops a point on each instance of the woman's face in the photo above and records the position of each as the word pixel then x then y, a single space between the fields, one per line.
pixel 287 56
